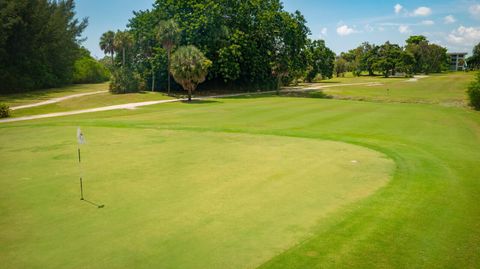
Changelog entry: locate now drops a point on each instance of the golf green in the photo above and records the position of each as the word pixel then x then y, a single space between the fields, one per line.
pixel 173 199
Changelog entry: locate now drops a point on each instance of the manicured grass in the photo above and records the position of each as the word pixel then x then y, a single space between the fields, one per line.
pixel 42 95
pixel 446 89
pixel 246 182
pixel 173 199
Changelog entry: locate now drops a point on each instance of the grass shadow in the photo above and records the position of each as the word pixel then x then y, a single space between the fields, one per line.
pixel 327 82
pixel 199 102
pixel 43 94
pixel 300 94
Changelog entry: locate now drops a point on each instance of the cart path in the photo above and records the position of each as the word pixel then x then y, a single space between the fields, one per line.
pixel 149 103
pixel 56 100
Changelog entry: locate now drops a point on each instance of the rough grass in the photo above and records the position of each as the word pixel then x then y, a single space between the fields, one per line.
pixel 166 174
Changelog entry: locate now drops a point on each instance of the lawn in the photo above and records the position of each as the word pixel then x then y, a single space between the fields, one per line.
pixel 446 89
pixel 271 182
pixel 18 99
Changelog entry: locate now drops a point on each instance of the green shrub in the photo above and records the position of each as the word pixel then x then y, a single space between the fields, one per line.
pixel 474 93
pixel 88 70
pixel 125 80
pixel 4 111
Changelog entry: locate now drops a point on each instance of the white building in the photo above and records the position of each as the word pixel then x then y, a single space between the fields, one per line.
pixel 458 61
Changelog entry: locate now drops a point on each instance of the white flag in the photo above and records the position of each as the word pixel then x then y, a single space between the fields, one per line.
pixel 80 137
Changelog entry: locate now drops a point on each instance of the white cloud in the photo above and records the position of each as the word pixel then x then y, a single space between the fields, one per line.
pixel 369 28
pixel 475 11
pixel 466 36
pixel 324 31
pixel 398 8
pixel 428 22
pixel 344 30
pixel 422 12
pixel 404 29
pixel 449 19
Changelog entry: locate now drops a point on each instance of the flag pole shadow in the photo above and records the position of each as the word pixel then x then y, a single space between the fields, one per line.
pixel 92 203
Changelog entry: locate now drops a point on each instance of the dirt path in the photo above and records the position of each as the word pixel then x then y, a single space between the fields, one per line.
pixel 98 109
pixel 56 100
pixel 149 103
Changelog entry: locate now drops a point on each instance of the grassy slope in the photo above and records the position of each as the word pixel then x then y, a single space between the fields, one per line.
pixel 43 95
pixel 445 89
pixel 428 216
pixel 92 101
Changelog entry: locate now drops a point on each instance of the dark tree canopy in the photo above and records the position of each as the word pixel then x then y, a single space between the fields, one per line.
pixel 429 58
pixel 474 60
pixel 321 60
pixel 247 41
pixel 39 43
pixel 418 56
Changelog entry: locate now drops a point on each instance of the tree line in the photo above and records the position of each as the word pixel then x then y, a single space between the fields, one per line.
pixel 417 56
pixel 252 43
pixel 40 46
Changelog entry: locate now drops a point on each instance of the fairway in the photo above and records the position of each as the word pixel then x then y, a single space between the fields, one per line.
pixel 179 199
pixel 243 182
pixel 425 90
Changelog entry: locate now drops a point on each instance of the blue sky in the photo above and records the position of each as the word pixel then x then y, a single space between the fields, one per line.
pixel 454 24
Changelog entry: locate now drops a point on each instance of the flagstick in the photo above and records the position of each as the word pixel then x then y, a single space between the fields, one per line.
pixel 81 181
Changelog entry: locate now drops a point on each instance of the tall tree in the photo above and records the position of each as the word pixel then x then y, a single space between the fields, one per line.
pixel 474 60
pixel 416 39
pixel 168 34
pixel 428 57
pixel 368 57
pixel 389 56
pixel 123 41
pixel 107 43
pixel 321 60
pixel 340 67
pixel 150 57
pixel 189 68
pixel 39 41
pixel 406 63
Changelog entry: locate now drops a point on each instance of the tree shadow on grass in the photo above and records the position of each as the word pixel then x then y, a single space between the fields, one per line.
pixel 199 102
pixel 42 94
pixel 300 94
pixel 323 82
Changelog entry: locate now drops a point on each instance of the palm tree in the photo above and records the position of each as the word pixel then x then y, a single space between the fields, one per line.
pixel 107 43
pixel 122 42
pixel 189 68
pixel 168 33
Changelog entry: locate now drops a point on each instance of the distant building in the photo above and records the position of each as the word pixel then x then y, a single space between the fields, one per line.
pixel 458 62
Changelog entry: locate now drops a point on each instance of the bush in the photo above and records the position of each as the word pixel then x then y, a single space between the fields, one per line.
pixel 4 111
pixel 125 80
pixel 88 70
pixel 474 93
